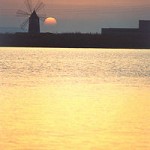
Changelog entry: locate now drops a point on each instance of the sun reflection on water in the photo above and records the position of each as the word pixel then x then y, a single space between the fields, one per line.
pixel 76 117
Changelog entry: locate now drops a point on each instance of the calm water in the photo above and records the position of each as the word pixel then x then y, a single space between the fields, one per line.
pixel 74 99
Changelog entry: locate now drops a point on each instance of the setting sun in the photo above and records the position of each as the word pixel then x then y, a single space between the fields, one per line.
pixel 50 21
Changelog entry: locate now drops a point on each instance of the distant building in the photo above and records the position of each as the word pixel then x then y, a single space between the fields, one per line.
pixel 144 27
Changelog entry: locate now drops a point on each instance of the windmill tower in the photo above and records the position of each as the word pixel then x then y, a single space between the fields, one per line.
pixel 32 16
pixel 34 23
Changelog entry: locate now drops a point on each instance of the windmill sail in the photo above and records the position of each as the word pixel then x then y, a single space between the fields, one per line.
pixel 28 4
pixel 22 13
pixel 33 19
pixel 24 24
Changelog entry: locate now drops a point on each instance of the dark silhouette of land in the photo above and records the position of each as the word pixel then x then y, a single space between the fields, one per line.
pixel 109 38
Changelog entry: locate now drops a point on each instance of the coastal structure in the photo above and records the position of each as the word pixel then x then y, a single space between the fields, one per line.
pixel 144 28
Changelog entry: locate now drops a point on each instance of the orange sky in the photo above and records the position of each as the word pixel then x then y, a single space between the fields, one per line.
pixel 82 15
pixel 109 3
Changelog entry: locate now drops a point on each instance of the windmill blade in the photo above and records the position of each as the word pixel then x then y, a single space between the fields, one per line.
pixel 22 13
pixel 39 6
pixel 28 4
pixel 42 16
pixel 24 24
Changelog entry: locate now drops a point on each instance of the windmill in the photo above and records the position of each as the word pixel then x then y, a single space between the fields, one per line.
pixel 32 16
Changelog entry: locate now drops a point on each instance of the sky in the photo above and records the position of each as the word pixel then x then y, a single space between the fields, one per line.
pixel 85 16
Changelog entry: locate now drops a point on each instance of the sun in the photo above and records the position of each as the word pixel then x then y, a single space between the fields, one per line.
pixel 50 21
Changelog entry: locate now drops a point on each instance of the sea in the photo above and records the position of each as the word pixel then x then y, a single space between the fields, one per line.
pixel 74 99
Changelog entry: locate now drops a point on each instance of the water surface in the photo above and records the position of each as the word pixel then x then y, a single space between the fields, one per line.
pixel 74 99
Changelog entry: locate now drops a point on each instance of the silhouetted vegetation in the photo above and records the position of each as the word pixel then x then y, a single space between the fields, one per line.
pixel 76 40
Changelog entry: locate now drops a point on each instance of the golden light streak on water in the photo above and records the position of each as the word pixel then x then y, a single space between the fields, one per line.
pixel 75 117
